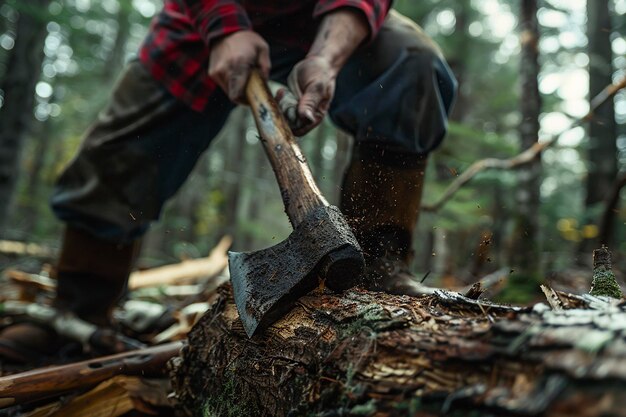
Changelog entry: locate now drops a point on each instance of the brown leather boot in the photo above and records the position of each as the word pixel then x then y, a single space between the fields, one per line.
pixel 381 196
pixel 91 278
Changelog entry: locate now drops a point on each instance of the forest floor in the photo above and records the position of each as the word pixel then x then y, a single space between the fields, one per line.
pixel 163 306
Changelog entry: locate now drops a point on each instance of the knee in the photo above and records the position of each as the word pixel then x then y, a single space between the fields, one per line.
pixel 429 71
pixel 416 54
pixel 402 34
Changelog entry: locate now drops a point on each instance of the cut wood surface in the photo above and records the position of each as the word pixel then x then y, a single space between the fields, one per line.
pixel 373 354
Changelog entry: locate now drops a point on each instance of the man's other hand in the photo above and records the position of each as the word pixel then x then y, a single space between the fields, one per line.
pixel 233 57
pixel 312 81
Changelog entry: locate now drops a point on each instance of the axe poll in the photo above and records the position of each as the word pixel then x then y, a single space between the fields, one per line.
pixel 266 283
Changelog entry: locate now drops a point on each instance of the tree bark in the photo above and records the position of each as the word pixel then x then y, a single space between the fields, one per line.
pixel 115 60
pixel 611 207
pixel 232 187
pixel 18 84
pixel 525 256
pixel 602 155
pixel 602 152
pixel 32 191
pixel 373 354
pixel 345 144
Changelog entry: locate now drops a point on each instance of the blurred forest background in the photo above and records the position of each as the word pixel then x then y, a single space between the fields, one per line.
pixel 60 58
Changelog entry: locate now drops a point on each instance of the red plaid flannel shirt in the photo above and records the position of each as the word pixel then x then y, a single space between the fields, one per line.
pixel 176 50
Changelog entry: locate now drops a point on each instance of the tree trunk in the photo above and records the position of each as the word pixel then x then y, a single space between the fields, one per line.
pixel 231 187
pixel 611 207
pixel 525 256
pixel 345 144
pixel 33 187
pixel 18 84
pixel 115 60
pixel 373 354
pixel 257 203
pixel 602 154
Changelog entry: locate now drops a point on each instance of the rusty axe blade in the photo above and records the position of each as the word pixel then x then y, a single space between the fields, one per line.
pixel 267 283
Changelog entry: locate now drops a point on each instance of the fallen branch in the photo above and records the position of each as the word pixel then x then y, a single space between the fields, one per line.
pixel 68 325
pixel 184 272
pixel 526 156
pixel 14 247
pixel 48 382
pixel 488 281
pixel 30 284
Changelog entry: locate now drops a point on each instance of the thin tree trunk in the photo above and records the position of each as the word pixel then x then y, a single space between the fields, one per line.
pixel 602 154
pixel 23 69
pixel 4 23
pixel 525 257
pixel 258 201
pixel 316 161
pixel 232 186
pixel 611 207
pixel 115 60
pixel 32 191
pixel 342 156
pixel 459 57
pixel 186 207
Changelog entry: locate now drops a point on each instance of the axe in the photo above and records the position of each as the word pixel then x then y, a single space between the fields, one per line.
pixel 267 283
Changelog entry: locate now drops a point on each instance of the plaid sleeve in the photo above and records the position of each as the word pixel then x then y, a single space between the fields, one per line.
pixel 216 18
pixel 374 11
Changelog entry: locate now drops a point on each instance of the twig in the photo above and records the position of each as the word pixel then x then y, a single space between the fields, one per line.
pixel 552 297
pixel 488 281
pixel 526 156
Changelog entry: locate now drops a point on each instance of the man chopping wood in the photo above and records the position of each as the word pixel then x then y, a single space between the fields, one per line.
pixel 373 71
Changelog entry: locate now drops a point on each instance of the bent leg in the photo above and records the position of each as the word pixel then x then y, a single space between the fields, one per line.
pixel 394 96
pixel 397 91
pixel 135 156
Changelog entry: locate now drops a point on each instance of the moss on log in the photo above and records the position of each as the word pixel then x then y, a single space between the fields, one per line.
pixel 603 282
pixel 373 354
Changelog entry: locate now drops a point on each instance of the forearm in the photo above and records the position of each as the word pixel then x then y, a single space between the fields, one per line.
pixel 340 33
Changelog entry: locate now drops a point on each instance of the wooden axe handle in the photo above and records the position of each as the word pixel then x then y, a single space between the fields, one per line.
pixel 297 187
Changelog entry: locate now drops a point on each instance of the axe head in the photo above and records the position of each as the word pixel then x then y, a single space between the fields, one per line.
pixel 267 283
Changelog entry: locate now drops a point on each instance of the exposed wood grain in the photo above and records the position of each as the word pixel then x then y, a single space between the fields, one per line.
pixel 373 354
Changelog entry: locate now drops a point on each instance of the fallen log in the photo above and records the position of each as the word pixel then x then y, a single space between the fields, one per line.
pixel 373 354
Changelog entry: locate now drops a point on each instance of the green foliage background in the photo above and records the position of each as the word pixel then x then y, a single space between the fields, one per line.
pixel 232 190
